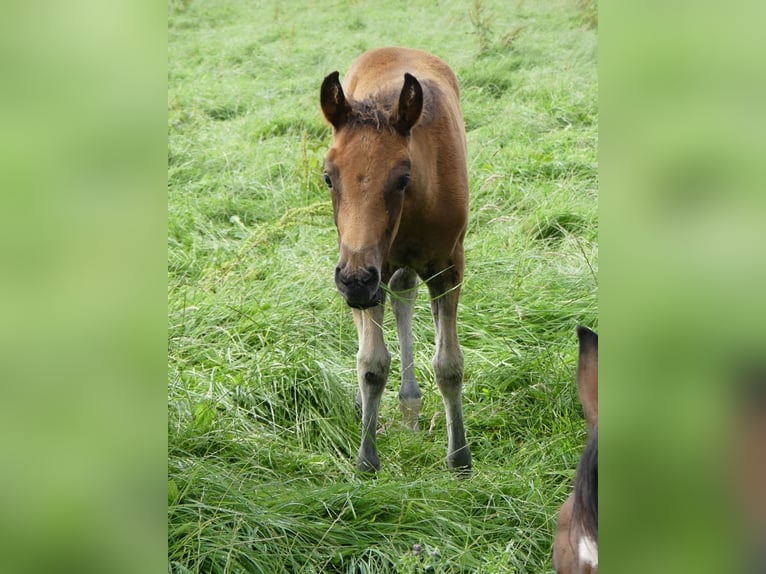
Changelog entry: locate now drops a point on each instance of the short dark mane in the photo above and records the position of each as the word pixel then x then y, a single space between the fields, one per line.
pixel 585 510
pixel 375 111
pixel 370 112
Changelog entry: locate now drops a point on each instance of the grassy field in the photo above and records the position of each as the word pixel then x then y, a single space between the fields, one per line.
pixel 262 430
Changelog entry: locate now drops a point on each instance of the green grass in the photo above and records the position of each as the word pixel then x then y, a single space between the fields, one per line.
pixel 262 432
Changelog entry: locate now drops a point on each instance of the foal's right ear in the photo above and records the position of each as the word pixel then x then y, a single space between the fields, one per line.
pixel 334 105
pixel 587 374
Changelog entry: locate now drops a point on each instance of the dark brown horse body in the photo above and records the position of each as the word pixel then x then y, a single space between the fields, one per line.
pixel 575 548
pixel 399 184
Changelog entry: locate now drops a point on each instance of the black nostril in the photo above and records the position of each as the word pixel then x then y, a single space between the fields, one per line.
pixel 339 277
pixel 372 276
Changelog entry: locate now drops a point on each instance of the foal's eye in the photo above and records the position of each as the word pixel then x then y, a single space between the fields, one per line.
pixel 327 180
pixel 404 181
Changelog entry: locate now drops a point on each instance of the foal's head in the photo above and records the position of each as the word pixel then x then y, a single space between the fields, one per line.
pixel 367 170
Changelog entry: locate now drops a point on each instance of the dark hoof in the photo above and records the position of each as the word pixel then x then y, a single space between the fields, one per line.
pixel 462 471
pixel 367 467
pixel 460 463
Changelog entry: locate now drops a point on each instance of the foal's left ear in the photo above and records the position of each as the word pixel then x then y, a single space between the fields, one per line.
pixel 335 107
pixel 410 105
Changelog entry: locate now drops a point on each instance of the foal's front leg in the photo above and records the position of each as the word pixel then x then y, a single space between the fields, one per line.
pixel 372 363
pixel 444 289
pixel 404 291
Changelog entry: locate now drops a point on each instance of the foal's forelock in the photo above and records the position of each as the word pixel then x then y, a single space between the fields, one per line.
pixel 371 113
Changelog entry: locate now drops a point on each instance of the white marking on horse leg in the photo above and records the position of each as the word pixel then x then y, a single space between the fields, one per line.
pixel 358 324
pixel 588 551
pixel 448 370
pixel 404 287
pixel 372 364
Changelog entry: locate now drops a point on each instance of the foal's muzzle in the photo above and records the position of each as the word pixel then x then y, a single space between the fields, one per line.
pixel 360 287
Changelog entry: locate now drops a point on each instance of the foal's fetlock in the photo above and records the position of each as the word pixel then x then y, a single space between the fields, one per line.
pixel 410 408
pixel 367 462
pixel 460 462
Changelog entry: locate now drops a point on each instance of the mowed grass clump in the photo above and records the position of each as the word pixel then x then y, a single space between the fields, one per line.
pixel 262 428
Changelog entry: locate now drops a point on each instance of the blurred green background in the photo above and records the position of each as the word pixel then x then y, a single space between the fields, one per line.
pixel 682 278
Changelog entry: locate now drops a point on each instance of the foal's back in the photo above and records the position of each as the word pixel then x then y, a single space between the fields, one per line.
pixel 375 70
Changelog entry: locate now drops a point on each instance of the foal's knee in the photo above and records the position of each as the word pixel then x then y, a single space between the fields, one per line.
pixel 373 371
pixel 403 280
pixel 449 371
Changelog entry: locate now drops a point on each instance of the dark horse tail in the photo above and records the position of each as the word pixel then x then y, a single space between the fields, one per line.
pixel 585 511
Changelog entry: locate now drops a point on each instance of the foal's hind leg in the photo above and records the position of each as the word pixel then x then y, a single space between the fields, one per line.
pixel 404 287
pixel 372 364
pixel 444 288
